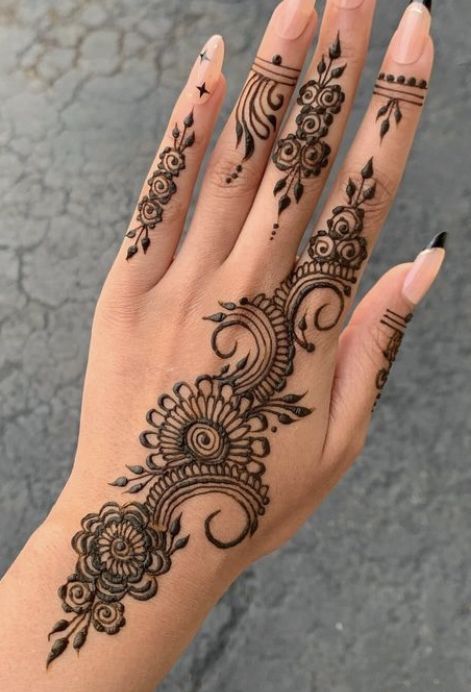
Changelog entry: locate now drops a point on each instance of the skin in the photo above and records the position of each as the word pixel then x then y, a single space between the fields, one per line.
pixel 148 333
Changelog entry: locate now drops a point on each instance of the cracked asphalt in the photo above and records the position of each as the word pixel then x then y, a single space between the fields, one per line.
pixel 374 594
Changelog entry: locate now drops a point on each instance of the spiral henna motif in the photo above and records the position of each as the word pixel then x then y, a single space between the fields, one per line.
pixel 264 369
pixel 210 437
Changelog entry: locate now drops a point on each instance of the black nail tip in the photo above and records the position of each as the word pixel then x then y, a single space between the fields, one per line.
pixel 427 3
pixel 438 242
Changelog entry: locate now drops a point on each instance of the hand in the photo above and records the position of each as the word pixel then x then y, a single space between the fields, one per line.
pixel 224 396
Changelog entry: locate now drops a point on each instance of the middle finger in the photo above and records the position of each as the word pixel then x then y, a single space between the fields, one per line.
pixel 310 140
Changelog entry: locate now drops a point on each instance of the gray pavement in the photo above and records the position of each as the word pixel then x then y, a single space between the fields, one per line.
pixel 374 594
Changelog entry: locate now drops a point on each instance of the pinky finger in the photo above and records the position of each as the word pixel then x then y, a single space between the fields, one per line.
pixel 369 347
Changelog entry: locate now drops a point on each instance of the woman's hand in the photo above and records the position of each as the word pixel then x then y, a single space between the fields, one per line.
pixel 224 395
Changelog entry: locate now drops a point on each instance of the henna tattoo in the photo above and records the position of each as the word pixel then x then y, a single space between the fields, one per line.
pixel 262 97
pixel 397 90
pixel 397 325
pixel 212 436
pixel 305 153
pixel 161 186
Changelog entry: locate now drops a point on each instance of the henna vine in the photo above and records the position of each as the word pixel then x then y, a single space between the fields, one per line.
pixel 305 153
pixel 397 325
pixel 161 186
pixel 212 436
pixel 262 97
pixel 397 90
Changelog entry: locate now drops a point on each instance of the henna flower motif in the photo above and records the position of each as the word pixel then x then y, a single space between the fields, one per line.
pixel 76 595
pixel 331 98
pixel 150 212
pixel 346 221
pixel 311 123
pixel 352 252
pixel 308 93
pixel 162 186
pixel 314 157
pixel 108 617
pixel 120 553
pixel 172 160
pixel 287 152
pixel 205 424
pixel 322 247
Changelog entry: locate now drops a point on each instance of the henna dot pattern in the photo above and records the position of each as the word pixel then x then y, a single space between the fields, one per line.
pixel 213 436
pixel 305 153
pixel 262 97
pixel 161 187
pixel 397 90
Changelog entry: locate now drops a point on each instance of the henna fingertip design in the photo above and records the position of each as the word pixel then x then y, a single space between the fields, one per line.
pixel 425 270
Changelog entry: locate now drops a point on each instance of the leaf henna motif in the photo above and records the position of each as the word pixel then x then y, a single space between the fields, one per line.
pixel 396 91
pixel 212 435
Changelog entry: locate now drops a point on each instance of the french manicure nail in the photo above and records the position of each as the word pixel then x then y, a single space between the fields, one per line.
pixel 349 4
pixel 427 3
pixel 411 36
pixel 425 270
pixel 293 17
pixel 206 71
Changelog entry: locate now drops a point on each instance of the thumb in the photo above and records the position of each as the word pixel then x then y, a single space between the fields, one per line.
pixel 369 346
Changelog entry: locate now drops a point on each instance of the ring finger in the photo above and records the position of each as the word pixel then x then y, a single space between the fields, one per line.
pixel 349 226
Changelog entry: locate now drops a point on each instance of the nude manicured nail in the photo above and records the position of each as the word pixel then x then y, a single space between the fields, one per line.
pixel 206 71
pixel 293 16
pixel 411 36
pixel 349 4
pixel 425 270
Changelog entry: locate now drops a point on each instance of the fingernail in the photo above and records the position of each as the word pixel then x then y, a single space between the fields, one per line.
pixel 293 16
pixel 206 71
pixel 427 3
pixel 349 4
pixel 411 36
pixel 425 270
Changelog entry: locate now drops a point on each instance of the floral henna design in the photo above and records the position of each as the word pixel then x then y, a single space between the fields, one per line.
pixel 397 325
pixel 161 186
pixel 305 153
pixel 262 97
pixel 120 554
pixel 397 90
pixel 212 436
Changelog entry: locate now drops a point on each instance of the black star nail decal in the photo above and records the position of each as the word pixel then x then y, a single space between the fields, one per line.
pixel 202 89
pixel 204 56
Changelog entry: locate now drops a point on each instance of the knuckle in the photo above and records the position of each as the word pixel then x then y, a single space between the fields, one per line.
pixel 229 178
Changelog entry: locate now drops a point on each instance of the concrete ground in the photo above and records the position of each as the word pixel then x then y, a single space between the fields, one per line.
pixel 374 594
